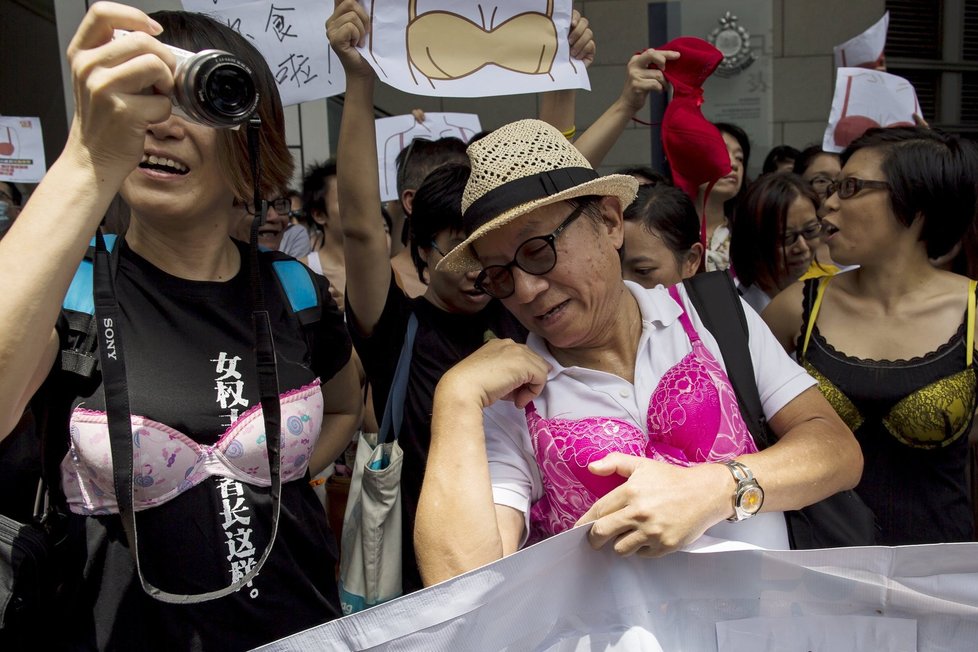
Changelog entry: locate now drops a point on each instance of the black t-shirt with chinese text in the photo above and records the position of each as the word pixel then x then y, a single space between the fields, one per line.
pixel 190 357
pixel 442 340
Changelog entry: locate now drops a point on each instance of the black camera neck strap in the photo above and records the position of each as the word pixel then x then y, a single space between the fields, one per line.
pixel 112 358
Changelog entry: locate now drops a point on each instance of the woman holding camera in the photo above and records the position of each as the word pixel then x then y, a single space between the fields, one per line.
pixel 201 481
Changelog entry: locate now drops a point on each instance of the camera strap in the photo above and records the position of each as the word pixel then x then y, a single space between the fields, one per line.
pixel 118 415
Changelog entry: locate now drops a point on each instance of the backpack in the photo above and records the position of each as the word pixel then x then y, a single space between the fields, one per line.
pixel 296 283
pixel 840 520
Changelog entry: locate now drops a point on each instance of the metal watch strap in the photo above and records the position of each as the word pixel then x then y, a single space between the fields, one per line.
pixel 745 480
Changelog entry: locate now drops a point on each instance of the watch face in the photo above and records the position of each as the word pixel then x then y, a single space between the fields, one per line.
pixel 751 499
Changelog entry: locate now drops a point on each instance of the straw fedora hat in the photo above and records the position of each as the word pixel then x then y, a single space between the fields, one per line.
pixel 518 168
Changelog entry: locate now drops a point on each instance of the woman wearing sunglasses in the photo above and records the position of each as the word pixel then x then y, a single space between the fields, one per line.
pixel 891 343
pixel 774 235
pixel 617 410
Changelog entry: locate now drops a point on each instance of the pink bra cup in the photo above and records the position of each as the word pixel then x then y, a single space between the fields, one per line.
pixel 167 462
pixel 693 418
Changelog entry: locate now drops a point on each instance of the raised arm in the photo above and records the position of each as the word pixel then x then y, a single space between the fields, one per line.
pixel 368 273
pixel 640 80
pixel 558 107
pixel 458 527
pixel 105 143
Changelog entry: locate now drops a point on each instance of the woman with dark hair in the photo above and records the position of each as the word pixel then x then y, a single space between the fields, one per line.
pixel 818 168
pixel 203 491
pixel 892 342
pixel 724 196
pixel 662 237
pixel 780 158
pixel 775 231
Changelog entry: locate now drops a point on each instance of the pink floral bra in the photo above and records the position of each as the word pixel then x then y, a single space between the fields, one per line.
pixel 693 418
pixel 167 462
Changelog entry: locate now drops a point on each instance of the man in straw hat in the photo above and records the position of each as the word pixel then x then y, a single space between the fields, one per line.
pixel 617 411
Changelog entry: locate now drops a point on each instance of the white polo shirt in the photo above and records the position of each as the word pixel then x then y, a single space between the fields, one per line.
pixel 578 392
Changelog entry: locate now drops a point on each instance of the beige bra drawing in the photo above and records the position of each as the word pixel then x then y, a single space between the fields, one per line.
pixel 443 45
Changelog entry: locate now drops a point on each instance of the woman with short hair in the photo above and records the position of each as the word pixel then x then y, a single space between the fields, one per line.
pixel 203 489
pixel 891 342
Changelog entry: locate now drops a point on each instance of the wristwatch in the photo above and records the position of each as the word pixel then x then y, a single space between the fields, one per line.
pixel 748 497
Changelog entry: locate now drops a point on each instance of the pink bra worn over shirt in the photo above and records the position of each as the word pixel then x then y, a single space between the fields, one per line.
pixel 693 418
pixel 167 462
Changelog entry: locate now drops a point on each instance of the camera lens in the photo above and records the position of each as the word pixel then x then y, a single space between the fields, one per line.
pixel 216 89
pixel 229 89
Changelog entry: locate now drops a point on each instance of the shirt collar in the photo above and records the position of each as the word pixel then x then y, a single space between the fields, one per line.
pixel 657 308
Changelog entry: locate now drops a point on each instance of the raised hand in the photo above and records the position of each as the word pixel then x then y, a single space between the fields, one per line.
pixel 121 87
pixel 347 29
pixel 581 39
pixel 644 75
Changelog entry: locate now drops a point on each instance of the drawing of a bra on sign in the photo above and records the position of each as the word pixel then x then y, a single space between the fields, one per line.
pixel 854 122
pixel 443 45
pixel 8 141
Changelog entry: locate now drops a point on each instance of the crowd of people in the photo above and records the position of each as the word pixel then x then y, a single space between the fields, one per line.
pixel 561 372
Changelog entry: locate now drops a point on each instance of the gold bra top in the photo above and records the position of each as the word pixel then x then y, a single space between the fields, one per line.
pixel 933 416
pixel 443 45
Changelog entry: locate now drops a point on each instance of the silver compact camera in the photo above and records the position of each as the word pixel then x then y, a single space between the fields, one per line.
pixel 212 87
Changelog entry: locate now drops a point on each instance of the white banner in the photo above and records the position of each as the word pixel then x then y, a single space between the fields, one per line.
pixel 291 35
pixel 562 595
pixel 457 48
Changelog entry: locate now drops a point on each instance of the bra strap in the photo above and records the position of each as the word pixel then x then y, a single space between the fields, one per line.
pixel 683 317
pixel 822 283
pixel 970 334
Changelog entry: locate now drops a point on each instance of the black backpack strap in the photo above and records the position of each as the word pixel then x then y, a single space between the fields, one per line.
pixel 721 310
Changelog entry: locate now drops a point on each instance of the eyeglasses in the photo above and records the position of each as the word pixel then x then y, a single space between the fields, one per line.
pixel 536 256
pixel 810 232
pixel 282 206
pixel 820 183
pixel 849 186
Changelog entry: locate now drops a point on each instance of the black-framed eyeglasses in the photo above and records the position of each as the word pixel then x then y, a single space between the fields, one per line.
pixel 849 186
pixel 536 256
pixel 281 205
pixel 810 232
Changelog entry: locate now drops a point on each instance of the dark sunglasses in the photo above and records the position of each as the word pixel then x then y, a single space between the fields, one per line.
pixel 849 186
pixel 536 256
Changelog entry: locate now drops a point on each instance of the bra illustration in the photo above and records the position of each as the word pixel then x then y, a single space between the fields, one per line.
pixel 693 418
pixel 933 416
pixel 443 45
pixel 167 462
pixel 851 127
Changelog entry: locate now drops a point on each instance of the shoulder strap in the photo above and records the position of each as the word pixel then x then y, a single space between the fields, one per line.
pixel 390 426
pixel 822 284
pixel 720 308
pixel 970 335
pixel 80 297
pixel 80 357
pixel 301 293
